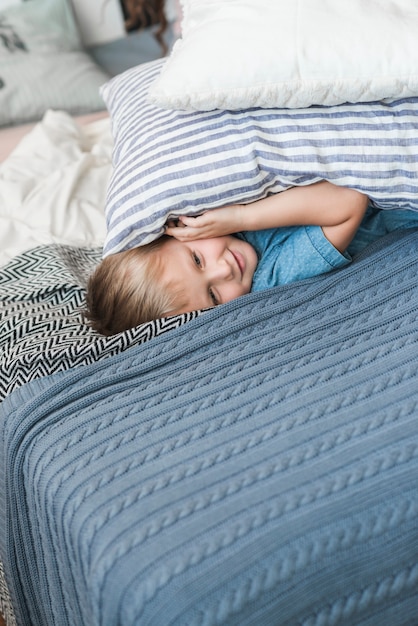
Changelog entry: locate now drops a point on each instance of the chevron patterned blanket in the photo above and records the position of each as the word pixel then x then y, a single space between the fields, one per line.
pixel 258 465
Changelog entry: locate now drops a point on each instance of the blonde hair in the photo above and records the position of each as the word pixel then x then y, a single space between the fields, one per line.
pixel 127 289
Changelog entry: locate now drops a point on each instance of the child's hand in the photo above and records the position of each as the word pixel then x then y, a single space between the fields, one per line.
pixel 213 223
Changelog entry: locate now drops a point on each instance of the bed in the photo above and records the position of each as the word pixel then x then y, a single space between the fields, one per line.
pixel 255 463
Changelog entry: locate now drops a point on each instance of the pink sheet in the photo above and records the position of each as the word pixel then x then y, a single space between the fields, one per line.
pixel 11 135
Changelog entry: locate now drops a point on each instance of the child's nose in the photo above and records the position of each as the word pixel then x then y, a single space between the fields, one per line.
pixel 222 270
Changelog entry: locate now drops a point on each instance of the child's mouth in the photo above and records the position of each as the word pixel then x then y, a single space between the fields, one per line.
pixel 239 260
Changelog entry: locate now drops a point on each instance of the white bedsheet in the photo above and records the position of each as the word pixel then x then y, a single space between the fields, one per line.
pixel 53 186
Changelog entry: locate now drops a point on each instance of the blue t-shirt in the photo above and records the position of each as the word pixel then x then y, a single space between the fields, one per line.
pixel 286 255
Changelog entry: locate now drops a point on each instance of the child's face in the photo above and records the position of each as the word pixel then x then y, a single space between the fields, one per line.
pixel 210 271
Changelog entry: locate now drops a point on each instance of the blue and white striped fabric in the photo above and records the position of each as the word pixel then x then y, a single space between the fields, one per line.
pixel 169 163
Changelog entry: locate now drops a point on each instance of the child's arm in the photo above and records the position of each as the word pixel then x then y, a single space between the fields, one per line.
pixel 338 210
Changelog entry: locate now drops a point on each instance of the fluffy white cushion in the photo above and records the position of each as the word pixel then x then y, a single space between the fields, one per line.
pixel 169 162
pixel 290 53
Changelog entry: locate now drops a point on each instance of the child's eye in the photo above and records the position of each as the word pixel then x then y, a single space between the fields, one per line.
pixel 197 260
pixel 213 298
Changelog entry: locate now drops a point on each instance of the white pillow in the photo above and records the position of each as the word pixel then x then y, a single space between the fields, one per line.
pixel 169 163
pixel 237 54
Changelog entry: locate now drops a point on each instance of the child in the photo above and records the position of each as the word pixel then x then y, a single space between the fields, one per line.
pixel 201 262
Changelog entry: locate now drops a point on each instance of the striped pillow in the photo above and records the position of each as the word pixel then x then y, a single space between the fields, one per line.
pixel 169 163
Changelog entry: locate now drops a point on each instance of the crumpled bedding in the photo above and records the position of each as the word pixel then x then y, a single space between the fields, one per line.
pixel 53 186
pixel 52 227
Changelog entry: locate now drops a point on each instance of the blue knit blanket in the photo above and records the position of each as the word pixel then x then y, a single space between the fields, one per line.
pixel 256 466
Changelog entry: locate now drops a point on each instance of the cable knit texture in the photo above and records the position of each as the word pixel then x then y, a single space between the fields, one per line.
pixel 257 465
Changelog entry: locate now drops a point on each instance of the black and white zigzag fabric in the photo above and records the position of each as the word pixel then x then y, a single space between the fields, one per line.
pixel 6 607
pixel 42 329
